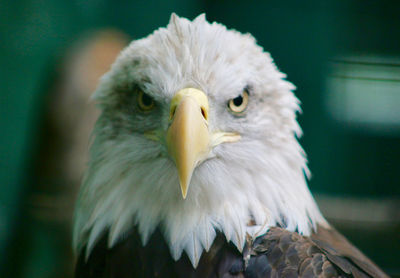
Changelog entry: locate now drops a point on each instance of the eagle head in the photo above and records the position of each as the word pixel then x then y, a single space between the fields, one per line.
pixel 197 136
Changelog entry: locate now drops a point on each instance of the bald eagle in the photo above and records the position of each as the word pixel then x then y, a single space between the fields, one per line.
pixel 195 169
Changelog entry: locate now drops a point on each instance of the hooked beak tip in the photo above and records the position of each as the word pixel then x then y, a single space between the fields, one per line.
pixel 184 189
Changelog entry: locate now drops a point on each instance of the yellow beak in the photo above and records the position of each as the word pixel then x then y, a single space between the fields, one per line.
pixel 188 137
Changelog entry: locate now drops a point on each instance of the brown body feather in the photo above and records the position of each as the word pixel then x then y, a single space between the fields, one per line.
pixel 278 253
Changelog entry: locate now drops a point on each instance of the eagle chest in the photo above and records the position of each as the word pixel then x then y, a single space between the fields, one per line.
pixel 279 253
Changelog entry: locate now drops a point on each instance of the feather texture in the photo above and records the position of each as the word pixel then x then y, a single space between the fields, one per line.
pixel 132 181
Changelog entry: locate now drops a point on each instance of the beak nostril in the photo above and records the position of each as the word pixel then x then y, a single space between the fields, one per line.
pixel 172 112
pixel 204 113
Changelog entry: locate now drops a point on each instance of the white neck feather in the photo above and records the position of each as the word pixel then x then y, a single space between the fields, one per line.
pixel 224 196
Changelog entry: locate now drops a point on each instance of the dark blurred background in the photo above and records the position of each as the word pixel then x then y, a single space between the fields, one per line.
pixel 343 56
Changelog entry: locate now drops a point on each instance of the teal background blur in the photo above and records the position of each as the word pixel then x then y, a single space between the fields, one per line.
pixel 347 159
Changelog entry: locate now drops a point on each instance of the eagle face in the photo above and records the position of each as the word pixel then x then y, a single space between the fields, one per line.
pixel 197 135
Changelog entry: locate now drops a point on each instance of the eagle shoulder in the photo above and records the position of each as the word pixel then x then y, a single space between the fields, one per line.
pixel 281 253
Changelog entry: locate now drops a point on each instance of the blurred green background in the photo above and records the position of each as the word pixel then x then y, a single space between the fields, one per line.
pixel 343 56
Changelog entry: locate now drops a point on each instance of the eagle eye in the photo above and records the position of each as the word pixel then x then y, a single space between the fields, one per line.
pixel 146 102
pixel 238 104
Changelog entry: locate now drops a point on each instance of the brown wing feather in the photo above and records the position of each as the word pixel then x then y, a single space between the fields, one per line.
pixel 332 242
pixel 290 255
pixel 324 254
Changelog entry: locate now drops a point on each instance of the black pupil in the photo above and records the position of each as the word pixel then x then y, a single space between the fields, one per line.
pixel 147 100
pixel 237 101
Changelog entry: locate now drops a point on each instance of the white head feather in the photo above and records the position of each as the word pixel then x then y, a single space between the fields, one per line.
pixel 132 181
